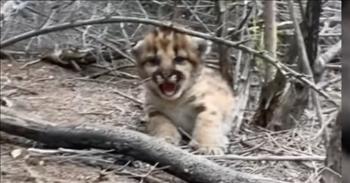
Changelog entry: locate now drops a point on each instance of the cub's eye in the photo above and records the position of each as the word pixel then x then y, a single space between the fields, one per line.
pixel 153 61
pixel 179 60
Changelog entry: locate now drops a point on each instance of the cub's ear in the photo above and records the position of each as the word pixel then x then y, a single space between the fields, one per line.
pixel 203 46
pixel 137 48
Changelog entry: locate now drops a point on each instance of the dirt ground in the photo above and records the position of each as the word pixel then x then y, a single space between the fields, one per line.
pixel 55 94
pixel 62 96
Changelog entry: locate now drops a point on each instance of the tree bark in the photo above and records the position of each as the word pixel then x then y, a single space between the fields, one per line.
pixel 270 37
pixel 282 102
pixel 223 50
pixel 182 164
pixel 345 114
pixel 312 23
pixel 334 154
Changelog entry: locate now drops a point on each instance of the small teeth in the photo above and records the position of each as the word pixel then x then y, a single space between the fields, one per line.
pixel 169 93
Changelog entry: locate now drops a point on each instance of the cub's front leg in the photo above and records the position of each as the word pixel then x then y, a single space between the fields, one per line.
pixel 208 135
pixel 160 126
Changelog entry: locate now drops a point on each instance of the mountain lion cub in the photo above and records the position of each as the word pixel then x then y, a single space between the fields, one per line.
pixel 182 93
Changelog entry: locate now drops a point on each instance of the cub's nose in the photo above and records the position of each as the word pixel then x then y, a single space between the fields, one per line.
pixel 163 76
pixel 172 76
pixel 158 77
pixel 167 73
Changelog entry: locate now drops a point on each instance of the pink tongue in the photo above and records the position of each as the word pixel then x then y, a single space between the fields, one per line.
pixel 167 87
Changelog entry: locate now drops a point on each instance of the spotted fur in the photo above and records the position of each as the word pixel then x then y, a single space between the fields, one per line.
pixel 182 93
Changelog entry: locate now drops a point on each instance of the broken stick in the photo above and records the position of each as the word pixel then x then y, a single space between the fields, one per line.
pixel 182 164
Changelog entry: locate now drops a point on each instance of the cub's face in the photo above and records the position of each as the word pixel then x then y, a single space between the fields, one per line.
pixel 170 61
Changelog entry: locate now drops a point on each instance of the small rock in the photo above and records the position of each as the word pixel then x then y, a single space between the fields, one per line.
pixel 16 153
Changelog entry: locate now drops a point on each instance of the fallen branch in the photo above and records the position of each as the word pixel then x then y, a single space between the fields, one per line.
pixel 118 19
pixel 325 58
pixel 182 164
pixel 268 158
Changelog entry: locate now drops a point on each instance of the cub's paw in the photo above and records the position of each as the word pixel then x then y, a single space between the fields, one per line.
pixel 207 149
pixel 171 140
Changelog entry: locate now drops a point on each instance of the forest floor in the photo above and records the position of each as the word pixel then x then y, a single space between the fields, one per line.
pixel 65 97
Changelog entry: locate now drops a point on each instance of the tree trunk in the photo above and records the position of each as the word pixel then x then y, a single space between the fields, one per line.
pixel 270 37
pixel 312 23
pixel 334 154
pixel 225 63
pixel 281 102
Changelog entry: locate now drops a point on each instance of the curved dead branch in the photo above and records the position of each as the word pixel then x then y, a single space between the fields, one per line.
pixel 118 19
pixel 182 164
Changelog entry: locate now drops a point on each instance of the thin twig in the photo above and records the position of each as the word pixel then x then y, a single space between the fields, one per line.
pixel 266 158
pixel 325 84
pixel 128 97
pixel 324 125
pixel 149 172
pixel 66 150
pixel 20 88
pixel 252 148
pixel 30 63
pixel 196 16
pixel 114 91
pixel 96 75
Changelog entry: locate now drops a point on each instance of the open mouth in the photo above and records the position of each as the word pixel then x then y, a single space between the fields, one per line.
pixel 168 83
pixel 168 88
